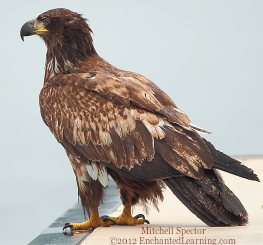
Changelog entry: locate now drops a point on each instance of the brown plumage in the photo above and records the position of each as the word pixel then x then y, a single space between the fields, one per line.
pixel 120 123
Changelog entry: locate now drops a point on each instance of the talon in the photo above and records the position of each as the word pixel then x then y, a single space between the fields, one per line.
pixel 143 217
pixel 104 216
pixel 67 225
pixel 109 219
pixel 139 216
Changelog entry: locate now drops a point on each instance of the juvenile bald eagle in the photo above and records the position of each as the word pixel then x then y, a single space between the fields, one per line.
pixel 119 123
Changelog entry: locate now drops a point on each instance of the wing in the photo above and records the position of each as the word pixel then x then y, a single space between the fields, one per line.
pixel 124 124
pixel 128 88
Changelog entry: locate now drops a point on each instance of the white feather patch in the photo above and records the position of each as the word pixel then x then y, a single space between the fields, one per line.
pixel 56 66
pixel 98 173
pixel 178 110
pixel 76 159
pixel 192 126
pixel 103 176
pixel 92 170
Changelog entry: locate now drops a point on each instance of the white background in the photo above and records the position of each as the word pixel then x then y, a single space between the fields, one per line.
pixel 206 55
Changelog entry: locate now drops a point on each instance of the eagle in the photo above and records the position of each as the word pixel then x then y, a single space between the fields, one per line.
pixel 117 123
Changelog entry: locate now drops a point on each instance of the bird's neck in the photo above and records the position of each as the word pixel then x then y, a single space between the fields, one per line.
pixel 65 57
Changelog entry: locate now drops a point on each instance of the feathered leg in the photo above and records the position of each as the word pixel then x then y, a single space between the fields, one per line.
pixel 91 195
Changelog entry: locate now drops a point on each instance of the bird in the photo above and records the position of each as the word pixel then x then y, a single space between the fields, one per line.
pixel 118 123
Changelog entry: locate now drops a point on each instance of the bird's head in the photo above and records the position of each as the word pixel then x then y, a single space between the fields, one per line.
pixel 56 24
pixel 67 36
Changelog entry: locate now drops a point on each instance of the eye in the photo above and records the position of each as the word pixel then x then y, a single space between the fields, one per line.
pixel 46 21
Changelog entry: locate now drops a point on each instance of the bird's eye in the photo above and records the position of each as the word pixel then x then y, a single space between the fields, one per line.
pixel 46 21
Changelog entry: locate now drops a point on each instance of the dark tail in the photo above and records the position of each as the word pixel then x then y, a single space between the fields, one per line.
pixel 209 199
pixel 230 165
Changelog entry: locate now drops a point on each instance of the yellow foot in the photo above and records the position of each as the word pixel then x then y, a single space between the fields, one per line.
pixel 125 219
pixel 89 224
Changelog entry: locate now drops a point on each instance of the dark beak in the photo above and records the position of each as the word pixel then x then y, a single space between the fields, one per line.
pixel 28 29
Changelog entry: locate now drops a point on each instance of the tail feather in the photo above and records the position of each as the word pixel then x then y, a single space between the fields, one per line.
pixel 209 199
pixel 230 165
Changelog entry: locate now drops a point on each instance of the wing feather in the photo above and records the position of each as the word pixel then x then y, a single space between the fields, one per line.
pixel 119 147
pixel 147 140
pixel 130 151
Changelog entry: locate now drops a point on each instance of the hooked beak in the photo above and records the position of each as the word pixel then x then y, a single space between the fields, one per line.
pixel 32 27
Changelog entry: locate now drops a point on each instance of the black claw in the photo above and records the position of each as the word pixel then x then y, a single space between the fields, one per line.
pixel 143 217
pixel 104 216
pixel 67 225
pixel 139 216
pixel 108 219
